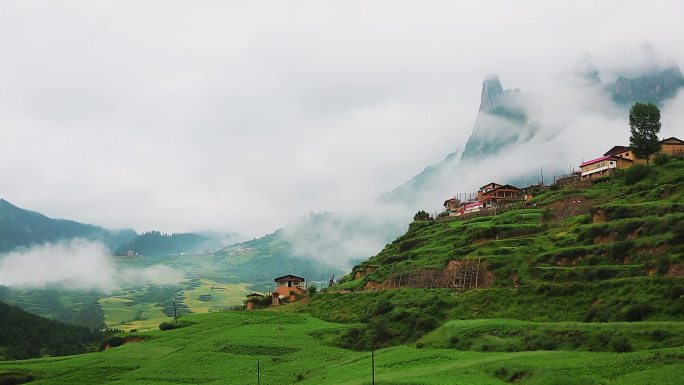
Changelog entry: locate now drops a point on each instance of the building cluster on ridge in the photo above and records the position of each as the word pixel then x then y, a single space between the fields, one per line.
pixel 494 196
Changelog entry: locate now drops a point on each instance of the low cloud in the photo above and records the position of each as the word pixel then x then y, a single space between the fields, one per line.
pixel 75 264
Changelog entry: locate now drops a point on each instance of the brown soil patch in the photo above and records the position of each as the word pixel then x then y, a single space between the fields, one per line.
pixel 571 206
pixel 603 239
pixel 565 261
pixel 599 216
pixel 676 270
pixel 515 278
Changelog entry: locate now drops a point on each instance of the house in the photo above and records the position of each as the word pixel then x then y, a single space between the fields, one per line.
pixel 287 286
pixel 470 207
pixel 494 194
pixel 452 205
pixel 253 298
pixel 603 166
pixel 624 152
pixel 672 146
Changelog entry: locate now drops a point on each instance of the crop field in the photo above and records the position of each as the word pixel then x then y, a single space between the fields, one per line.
pixel 224 347
pixel 141 308
pixel 214 296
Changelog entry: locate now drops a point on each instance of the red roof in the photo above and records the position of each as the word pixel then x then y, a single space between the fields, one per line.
pixel 474 204
pixel 595 160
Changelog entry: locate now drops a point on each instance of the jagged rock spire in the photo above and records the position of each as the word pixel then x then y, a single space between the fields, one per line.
pixel 491 93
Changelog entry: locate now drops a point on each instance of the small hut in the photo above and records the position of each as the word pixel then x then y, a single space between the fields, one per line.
pixel 253 298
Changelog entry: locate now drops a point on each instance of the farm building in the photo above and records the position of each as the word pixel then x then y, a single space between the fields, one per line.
pixel 252 299
pixel 288 286
pixel 452 205
pixel 672 146
pixel 603 166
pixel 494 194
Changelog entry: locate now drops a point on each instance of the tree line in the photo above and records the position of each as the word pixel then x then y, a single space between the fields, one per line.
pixel 156 243
pixel 26 335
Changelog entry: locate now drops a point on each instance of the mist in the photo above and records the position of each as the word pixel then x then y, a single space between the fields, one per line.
pixel 242 117
pixel 76 264
pixel 570 119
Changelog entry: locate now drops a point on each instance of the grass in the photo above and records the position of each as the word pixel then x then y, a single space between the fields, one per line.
pixel 223 347
pixel 214 296
pixel 140 309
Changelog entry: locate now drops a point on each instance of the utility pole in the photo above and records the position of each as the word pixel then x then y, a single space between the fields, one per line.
pixel 373 365
pixel 175 314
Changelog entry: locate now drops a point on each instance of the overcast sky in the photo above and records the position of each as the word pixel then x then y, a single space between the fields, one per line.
pixel 243 116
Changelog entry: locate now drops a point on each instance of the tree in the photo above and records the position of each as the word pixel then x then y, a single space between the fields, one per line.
pixel 421 216
pixel 644 125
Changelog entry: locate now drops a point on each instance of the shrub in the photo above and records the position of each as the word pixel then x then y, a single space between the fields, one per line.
pixel 167 326
pixel 421 215
pixel 383 307
pixel 637 312
pixel 636 173
pixel 662 159
pixel 312 289
pixel 620 344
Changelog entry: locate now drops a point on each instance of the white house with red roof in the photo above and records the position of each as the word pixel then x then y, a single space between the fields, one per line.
pixel 603 166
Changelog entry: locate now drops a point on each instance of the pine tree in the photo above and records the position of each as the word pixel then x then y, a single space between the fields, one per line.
pixel 644 125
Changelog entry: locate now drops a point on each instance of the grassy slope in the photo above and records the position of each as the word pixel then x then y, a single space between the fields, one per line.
pixel 612 257
pixel 222 348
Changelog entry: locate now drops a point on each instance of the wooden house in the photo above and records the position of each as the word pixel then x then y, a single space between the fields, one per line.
pixel 624 152
pixel 253 298
pixel 494 194
pixel 288 286
pixel 452 205
pixel 672 146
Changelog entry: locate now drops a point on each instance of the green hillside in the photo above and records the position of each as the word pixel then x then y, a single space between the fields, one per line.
pixel 223 348
pixel 608 252
pixel 583 285
pixel 20 227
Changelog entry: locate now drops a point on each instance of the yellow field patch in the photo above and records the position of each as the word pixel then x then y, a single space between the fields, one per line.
pixel 213 296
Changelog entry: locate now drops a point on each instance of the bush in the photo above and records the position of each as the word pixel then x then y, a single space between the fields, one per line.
pixel 421 215
pixel 637 312
pixel 636 173
pixel 620 344
pixel 662 159
pixel 168 326
pixel 312 289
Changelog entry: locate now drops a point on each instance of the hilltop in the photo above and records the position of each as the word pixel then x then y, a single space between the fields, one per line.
pixel 23 228
pixel 603 252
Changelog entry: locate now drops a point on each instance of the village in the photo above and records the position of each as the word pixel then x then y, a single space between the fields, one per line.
pixel 493 197
pixel 490 199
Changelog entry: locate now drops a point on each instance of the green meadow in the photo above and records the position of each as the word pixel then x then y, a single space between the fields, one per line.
pixel 224 347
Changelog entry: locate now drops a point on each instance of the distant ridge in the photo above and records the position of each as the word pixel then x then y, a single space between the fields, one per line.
pixel 22 228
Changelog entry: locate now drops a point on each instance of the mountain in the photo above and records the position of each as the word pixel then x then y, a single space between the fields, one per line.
pixel 654 87
pixel 155 243
pixel 501 121
pixel 261 260
pixel 23 228
pixel 25 335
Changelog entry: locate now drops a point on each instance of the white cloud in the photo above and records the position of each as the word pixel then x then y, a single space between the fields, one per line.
pixel 242 116
pixel 76 264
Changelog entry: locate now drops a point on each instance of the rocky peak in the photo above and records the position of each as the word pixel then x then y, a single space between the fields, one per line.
pixel 651 87
pixel 491 94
